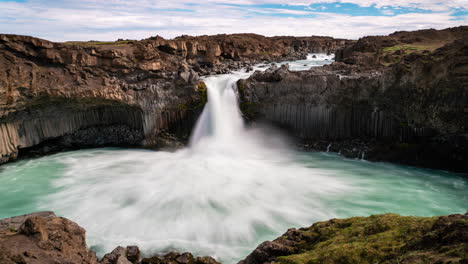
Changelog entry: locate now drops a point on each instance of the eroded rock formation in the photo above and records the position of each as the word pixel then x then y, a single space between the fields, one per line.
pixel 43 238
pixel 125 93
pixel 399 98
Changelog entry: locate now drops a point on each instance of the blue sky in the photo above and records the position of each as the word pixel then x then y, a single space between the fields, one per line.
pixel 137 19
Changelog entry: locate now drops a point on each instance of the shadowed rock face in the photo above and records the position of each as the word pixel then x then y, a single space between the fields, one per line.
pixel 56 96
pixel 413 110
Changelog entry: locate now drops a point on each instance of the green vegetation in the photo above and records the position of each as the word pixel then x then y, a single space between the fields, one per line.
pixel 396 54
pixel 99 43
pixel 409 48
pixel 386 238
pixel 46 101
pixel 59 103
pixel 248 109
pixel 203 93
pixel 200 100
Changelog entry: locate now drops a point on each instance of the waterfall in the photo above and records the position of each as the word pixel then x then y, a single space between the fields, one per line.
pixel 221 121
pixel 232 188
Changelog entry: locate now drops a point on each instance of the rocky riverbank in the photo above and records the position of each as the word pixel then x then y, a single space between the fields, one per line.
pixel 42 238
pixel 399 98
pixel 56 96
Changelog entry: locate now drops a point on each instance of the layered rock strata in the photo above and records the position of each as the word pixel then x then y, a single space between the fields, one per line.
pixel 56 96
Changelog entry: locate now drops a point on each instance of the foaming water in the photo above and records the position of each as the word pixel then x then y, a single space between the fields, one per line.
pixel 230 190
pixel 219 205
pixel 312 60
pixel 226 191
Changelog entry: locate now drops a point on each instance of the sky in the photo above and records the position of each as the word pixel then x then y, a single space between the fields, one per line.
pixel 138 19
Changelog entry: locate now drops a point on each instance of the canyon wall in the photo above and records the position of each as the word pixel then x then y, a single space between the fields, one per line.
pixel 401 98
pixel 56 96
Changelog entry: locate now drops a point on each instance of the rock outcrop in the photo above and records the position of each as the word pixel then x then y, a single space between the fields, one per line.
pixel 43 238
pixel 383 99
pixel 56 96
pixel 382 239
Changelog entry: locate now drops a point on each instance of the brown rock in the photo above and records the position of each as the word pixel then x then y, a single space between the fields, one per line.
pixel 185 258
pixel 133 254
pixel 57 90
pixel 33 226
pixel 116 255
pixel 267 252
pixel 44 239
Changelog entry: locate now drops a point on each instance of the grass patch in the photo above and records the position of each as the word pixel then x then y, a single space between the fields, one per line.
pixel 100 43
pixel 409 48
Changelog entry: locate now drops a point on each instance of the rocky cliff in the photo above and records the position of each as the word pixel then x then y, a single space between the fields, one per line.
pixel 42 238
pixel 402 98
pixel 124 93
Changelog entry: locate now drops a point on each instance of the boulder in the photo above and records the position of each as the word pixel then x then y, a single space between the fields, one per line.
pixel 43 238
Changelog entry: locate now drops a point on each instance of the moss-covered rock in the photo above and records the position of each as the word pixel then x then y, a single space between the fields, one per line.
pixel 388 238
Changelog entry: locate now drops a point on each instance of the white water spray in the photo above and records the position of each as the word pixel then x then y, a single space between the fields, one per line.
pixel 226 193
pixel 231 190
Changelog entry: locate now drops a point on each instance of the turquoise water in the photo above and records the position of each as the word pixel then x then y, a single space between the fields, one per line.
pixel 216 205
pixel 231 189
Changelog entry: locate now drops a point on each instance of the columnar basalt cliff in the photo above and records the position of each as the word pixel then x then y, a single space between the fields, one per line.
pixel 402 98
pixel 130 93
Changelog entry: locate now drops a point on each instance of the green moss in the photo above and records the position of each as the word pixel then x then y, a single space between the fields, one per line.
pixel 183 107
pixel 46 101
pixel 396 54
pixel 408 48
pixel 58 103
pixel 202 93
pixel 249 109
pixel 198 102
pixel 359 239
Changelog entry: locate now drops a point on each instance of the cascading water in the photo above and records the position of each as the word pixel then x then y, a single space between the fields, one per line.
pixel 225 193
pixel 230 190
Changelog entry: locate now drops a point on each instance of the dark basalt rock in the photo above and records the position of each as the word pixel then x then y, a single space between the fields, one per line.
pixel 411 109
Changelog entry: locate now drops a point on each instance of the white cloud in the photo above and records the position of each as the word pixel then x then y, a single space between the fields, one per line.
pixel 112 19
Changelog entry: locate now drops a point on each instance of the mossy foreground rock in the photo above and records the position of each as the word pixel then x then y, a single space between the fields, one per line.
pixel 43 238
pixel 388 238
